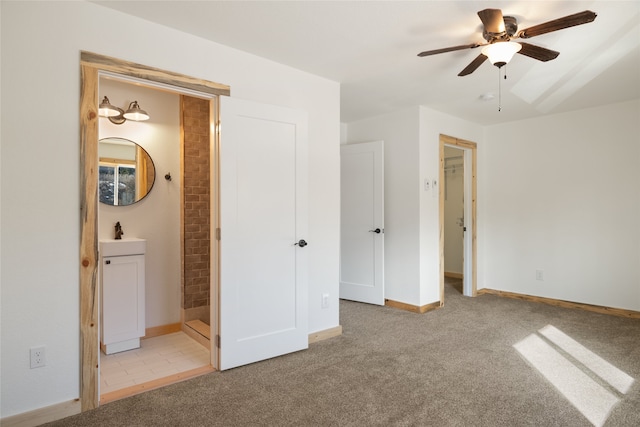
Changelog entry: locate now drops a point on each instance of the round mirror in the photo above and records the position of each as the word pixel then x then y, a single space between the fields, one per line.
pixel 126 172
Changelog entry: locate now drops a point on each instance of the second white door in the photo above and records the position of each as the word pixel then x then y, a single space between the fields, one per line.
pixel 362 222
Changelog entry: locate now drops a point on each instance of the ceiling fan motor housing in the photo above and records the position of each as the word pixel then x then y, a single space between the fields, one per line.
pixel 511 27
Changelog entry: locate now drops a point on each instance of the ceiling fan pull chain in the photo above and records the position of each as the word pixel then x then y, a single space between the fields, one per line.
pixel 499 91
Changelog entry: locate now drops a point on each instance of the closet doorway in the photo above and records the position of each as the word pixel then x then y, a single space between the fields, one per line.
pixel 454 218
pixel 458 168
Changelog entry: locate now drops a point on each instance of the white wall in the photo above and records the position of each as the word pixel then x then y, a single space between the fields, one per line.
pixel 557 194
pixel 344 131
pixel 562 194
pixel 399 131
pixel 40 173
pixel 155 218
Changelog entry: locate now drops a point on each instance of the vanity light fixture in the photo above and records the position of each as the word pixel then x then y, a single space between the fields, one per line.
pixel 118 116
pixel 135 113
pixel 107 110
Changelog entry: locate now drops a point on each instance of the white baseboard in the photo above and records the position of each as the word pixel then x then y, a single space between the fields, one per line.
pixel 43 415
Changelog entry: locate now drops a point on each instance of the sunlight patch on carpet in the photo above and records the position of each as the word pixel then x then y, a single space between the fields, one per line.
pixel 605 370
pixel 570 372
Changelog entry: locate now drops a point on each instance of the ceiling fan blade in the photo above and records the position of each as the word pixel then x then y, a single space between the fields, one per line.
pixel 474 65
pixel 448 49
pixel 536 52
pixel 558 24
pixel 492 20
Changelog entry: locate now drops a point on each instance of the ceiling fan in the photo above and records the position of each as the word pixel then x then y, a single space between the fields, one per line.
pixel 499 31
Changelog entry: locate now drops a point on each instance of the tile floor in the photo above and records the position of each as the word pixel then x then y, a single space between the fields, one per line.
pixel 157 357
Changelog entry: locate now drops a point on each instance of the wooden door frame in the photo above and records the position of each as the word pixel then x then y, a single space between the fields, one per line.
pixel 91 65
pixel 466 146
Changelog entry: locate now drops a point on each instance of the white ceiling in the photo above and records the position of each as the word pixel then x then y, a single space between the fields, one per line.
pixel 371 48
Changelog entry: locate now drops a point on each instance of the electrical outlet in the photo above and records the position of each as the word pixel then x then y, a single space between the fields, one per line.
pixel 539 275
pixel 325 300
pixel 38 357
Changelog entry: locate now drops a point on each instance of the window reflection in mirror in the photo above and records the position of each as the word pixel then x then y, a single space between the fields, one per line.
pixel 126 172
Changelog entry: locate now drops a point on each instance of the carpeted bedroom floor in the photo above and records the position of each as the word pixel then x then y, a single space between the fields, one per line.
pixel 474 362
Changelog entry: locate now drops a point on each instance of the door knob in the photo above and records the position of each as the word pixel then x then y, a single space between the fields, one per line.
pixel 377 231
pixel 301 243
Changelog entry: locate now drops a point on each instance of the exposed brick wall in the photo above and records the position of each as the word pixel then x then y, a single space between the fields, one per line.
pixel 197 233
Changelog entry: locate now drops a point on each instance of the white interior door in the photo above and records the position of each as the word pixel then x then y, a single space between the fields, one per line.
pixel 263 207
pixel 362 222
pixel 467 281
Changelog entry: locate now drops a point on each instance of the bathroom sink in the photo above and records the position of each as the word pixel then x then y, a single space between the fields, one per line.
pixel 123 247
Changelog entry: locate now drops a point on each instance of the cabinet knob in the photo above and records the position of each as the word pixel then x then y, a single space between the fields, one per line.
pixel 108 261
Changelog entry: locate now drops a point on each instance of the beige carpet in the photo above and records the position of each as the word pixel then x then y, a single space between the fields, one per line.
pixel 469 363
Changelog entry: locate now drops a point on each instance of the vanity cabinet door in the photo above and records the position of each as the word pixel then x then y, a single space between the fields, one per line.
pixel 122 298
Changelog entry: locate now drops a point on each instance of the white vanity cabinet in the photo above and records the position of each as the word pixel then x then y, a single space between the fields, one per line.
pixel 122 294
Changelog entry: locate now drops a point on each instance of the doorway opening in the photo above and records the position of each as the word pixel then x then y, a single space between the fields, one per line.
pixel 92 67
pixel 457 202
pixel 174 222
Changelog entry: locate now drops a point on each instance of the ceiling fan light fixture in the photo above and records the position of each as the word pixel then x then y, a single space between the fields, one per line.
pixel 500 53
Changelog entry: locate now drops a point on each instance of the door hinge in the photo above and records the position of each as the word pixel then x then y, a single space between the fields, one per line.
pixel 218 341
pixel 218 233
